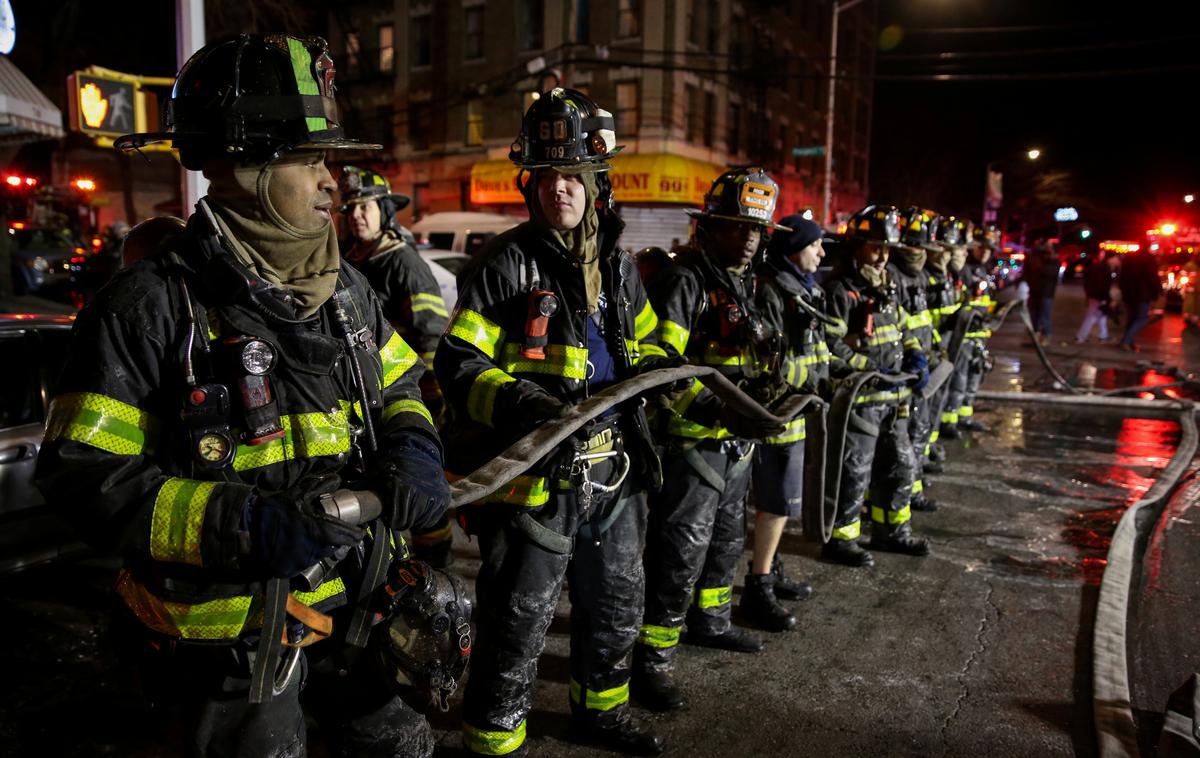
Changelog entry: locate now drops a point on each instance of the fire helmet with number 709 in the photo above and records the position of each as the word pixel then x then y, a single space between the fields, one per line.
pixel 565 130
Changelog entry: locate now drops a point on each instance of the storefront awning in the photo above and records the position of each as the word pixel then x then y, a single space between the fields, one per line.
pixel 26 115
pixel 648 178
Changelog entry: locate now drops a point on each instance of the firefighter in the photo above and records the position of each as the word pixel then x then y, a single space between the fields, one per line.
pixel 705 302
pixel 941 292
pixel 412 300
pixel 978 289
pixel 907 268
pixel 871 335
pixel 216 394
pixel 793 305
pixel 550 313
pixel 958 382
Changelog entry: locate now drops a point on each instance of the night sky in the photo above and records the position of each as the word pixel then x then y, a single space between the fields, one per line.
pixel 1129 141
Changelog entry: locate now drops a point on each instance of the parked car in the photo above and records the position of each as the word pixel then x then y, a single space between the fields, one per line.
pixel 446 266
pixel 44 260
pixel 461 232
pixel 33 349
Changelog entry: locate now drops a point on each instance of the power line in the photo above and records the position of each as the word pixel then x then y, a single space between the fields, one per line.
pixel 997 29
pixel 964 55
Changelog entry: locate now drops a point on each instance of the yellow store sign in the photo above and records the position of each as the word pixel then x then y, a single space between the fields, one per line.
pixel 651 178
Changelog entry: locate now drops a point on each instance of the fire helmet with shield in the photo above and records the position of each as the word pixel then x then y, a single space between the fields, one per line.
pixel 747 195
pixel 566 130
pixel 919 227
pixel 362 185
pixel 251 98
pixel 875 223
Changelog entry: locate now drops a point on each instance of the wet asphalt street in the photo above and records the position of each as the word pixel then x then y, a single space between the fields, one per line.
pixel 980 649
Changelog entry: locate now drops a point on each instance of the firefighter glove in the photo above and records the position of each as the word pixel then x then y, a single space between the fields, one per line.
pixel 287 537
pixel 917 364
pixel 421 493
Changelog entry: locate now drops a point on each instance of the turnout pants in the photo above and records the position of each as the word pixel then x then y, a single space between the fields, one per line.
pixel 204 691
pixel 923 426
pixel 520 579
pixel 694 542
pixel 879 457
pixel 968 373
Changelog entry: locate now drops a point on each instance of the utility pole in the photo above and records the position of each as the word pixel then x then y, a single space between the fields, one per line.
pixel 189 37
pixel 833 46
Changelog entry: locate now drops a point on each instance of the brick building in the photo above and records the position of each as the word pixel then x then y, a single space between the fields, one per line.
pixel 696 85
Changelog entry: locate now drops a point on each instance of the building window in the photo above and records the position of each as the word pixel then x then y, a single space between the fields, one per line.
pixel 710 117
pixel 693 21
pixel 421 30
pixel 583 21
pixel 627 108
pixel 629 18
pixel 693 113
pixel 385 125
pixel 713 17
pixel 530 14
pixel 734 140
pixel 473 42
pixel 474 122
pixel 387 48
pixel 353 51
pixel 419 126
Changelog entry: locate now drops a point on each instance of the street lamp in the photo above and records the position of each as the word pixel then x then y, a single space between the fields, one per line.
pixel 1189 198
pixel 1033 154
pixel 833 46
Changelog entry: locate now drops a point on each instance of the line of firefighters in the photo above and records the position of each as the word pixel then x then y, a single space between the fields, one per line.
pixel 238 400
pixel 554 312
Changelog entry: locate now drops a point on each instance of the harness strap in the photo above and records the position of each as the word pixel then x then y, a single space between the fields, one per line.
pixel 706 472
pixel 374 575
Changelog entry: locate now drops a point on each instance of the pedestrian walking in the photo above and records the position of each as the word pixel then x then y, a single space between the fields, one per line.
pixel 1041 274
pixel 1097 287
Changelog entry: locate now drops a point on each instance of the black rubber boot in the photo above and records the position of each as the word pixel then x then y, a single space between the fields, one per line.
pixel 950 432
pixel 937 453
pixel 932 467
pixel 971 424
pixel 760 607
pixel 787 588
pixel 623 734
pixel 656 691
pixel 898 540
pixel 847 553
pixel 734 639
pixel 919 502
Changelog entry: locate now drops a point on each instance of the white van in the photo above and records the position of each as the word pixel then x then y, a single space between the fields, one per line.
pixel 461 231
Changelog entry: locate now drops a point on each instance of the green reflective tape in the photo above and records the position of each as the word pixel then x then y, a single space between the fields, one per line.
pixel 305 435
pixel 849 531
pixel 478 331
pixel 645 323
pixel 793 432
pixel 523 490
pixel 713 597
pixel 880 516
pixel 838 328
pixel 397 358
pixel 100 421
pixel 566 361
pixel 673 334
pixel 858 361
pixel 481 398
pixel 423 301
pixel 177 519
pixel 649 348
pixel 306 84
pixel 949 417
pixel 918 487
pixel 966 411
pixel 658 636
pixel 493 742
pixel 391 410
pixel 714 357
pixel 327 590
pixel 599 700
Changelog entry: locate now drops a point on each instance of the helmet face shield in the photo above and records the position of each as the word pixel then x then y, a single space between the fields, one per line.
pixel 876 223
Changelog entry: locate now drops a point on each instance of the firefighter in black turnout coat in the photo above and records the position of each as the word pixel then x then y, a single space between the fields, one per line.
pixel 552 312
pixel 705 304
pixel 215 392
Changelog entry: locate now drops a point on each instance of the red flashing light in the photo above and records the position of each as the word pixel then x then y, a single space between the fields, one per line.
pixel 1168 229
pixel 13 181
pixel 86 185
pixel 30 181
pixel 97 243
pixel 17 225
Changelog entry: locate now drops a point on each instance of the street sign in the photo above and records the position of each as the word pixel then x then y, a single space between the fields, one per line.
pixel 100 106
pixel 804 152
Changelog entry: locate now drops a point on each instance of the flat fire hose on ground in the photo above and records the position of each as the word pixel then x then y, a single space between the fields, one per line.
pixel 525 452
